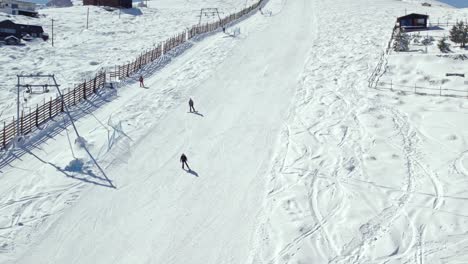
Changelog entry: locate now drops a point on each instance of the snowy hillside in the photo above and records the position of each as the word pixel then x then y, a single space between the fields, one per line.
pixel 294 158
pixel 111 39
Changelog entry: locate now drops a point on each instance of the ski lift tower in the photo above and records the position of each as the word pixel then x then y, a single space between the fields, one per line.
pixel 209 12
pixel 32 86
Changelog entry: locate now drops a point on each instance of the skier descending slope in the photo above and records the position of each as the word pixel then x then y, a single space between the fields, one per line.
pixel 192 109
pixel 183 160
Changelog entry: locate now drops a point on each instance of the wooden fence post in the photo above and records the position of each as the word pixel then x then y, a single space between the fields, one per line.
pixel 29 121
pixel 61 104
pixel 50 107
pixel 84 90
pixel 94 84
pixel 139 66
pixel 37 115
pixel 4 134
pixel 22 120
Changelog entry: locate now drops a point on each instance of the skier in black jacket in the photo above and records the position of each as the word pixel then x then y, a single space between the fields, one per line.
pixel 192 109
pixel 183 160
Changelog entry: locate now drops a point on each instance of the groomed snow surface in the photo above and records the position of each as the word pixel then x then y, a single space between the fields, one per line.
pixel 82 48
pixel 294 158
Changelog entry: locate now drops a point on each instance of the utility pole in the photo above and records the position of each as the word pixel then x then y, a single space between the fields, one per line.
pixel 52 32
pixel 87 19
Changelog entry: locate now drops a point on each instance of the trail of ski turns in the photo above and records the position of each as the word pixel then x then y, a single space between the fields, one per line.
pixel 351 181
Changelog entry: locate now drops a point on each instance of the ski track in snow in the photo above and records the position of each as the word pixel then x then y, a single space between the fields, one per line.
pixel 324 166
pixel 356 176
pixel 23 214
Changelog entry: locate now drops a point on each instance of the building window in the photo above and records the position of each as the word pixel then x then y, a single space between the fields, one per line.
pixel 8 30
pixel 420 21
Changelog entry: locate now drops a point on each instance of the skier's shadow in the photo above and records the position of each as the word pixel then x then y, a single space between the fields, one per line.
pixel 196 113
pixel 194 173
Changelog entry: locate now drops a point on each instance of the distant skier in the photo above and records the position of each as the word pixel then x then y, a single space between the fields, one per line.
pixel 141 81
pixel 183 160
pixel 192 109
pixel 224 30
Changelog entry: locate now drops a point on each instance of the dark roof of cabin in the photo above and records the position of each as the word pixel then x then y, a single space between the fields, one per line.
pixel 6 23
pixel 413 15
pixel 31 28
pixel 23 27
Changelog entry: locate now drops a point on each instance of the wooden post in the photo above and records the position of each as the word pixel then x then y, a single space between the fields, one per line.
pixel 50 107
pixel 4 134
pixel 94 85
pixel 52 32
pixel 22 121
pixel 140 62
pixel 84 90
pixel 29 121
pixel 74 96
pixel 37 115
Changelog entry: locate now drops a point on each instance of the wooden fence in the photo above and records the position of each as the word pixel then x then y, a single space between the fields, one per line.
pixel 31 121
pixel 127 70
pixel 423 90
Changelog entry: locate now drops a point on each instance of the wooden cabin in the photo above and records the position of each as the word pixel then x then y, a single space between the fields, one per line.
pixel 413 21
pixel 9 28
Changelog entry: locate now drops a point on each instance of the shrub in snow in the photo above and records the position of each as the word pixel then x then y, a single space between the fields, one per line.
pixel 459 34
pixel 75 165
pixel 443 45
pixel 427 41
pixel 401 42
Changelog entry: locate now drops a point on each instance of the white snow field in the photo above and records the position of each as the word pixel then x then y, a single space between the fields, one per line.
pixel 112 38
pixel 294 158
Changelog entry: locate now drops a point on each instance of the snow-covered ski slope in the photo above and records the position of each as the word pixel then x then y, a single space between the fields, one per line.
pixel 111 38
pixel 295 159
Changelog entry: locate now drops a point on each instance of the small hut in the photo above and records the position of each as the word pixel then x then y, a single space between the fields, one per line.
pixel 413 21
